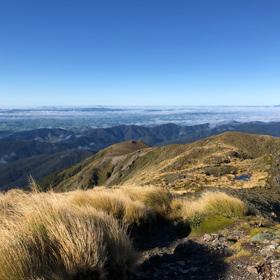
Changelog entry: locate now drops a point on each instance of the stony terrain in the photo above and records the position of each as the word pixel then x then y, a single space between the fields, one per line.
pixel 243 251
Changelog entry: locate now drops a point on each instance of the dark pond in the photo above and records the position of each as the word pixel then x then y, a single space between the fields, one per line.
pixel 243 177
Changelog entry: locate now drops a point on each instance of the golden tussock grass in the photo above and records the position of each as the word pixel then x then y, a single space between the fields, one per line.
pixel 156 198
pixel 209 204
pixel 49 238
pixel 129 204
pixel 74 235
pixel 113 202
pixel 83 234
pixel 10 205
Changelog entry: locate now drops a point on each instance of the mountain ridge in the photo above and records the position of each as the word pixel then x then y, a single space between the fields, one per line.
pixel 245 165
pixel 230 144
pixel 35 143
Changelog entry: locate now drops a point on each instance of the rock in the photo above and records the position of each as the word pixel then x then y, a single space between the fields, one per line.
pixel 273 215
pixel 275 264
pixel 181 263
pixel 227 252
pixel 260 237
pixel 187 249
pixel 207 237
pixel 157 273
pixel 206 257
pixel 184 271
pixel 252 269
pixel 193 269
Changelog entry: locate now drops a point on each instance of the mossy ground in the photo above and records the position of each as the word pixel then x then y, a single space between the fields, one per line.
pixel 211 225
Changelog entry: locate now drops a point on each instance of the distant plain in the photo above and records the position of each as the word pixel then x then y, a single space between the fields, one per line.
pixel 107 116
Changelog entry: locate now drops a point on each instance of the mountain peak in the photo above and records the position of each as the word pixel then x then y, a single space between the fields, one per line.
pixel 124 148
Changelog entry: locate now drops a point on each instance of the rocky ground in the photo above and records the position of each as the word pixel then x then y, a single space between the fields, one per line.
pixel 246 250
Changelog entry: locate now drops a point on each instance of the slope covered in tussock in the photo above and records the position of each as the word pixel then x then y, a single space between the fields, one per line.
pixel 147 198
pixel 96 170
pixel 213 162
pixel 85 234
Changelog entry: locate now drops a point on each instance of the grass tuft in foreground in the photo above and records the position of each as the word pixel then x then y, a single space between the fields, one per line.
pixel 52 239
pixel 83 234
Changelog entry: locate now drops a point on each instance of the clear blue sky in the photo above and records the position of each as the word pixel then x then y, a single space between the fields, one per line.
pixel 139 52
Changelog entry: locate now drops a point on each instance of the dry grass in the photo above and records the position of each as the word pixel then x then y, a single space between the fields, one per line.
pixel 115 203
pixel 129 204
pixel 48 238
pixel 83 234
pixel 209 204
pixel 10 205
pixel 156 198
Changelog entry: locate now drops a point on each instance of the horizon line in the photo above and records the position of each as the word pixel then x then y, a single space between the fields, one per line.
pixel 125 106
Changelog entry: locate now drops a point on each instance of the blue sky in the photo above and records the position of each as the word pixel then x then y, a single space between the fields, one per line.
pixel 139 52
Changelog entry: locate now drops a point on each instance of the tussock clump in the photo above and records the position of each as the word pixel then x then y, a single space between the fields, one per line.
pixel 10 204
pixel 53 239
pixel 113 202
pixel 129 204
pixel 209 204
pixel 83 234
pixel 156 198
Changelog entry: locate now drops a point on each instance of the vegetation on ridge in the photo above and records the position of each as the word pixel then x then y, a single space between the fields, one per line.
pixel 217 162
pixel 146 198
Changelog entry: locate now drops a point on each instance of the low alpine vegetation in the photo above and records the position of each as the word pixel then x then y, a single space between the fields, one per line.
pixel 85 234
pixel 209 204
pixel 115 203
pixel 156 198
pixel 48 238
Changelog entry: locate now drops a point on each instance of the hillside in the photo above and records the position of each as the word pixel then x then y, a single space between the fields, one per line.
pixel 96 170
pixel 216 161
pixel 240 163
pixel 159 213
pixel 17 173
pixel 44 142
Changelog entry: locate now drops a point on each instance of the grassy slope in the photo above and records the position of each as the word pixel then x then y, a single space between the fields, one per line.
pixel 94 170
pixel 211 162
pixel 84 234
pixel 29 221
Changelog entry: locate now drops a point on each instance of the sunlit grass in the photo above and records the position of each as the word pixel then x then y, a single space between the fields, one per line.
pixel 208 205
pixel 85 233
pixel 49 238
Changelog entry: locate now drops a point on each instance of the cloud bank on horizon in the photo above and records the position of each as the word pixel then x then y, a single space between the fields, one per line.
pixel 75 117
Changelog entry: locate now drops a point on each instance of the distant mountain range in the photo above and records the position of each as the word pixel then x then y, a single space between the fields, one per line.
pixel 29 152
